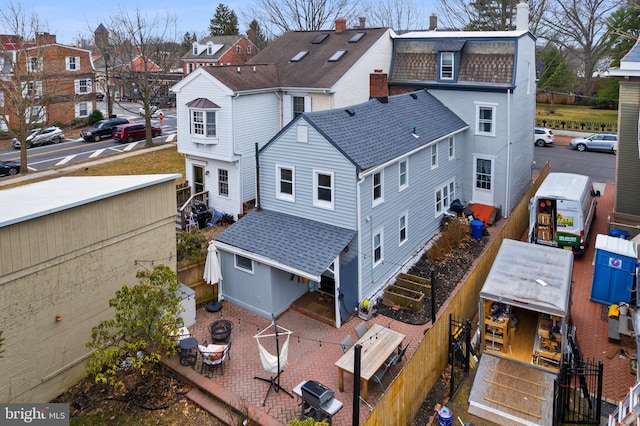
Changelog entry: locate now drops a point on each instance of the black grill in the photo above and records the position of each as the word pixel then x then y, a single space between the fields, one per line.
pixel 316 394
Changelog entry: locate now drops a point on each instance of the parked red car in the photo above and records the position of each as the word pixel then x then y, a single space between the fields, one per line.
pixel 133 132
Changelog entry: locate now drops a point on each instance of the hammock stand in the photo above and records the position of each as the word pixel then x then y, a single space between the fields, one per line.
pixel 267 359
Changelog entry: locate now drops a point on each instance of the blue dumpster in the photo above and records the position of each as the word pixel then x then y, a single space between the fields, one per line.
pixel 619 233
pixel 476 228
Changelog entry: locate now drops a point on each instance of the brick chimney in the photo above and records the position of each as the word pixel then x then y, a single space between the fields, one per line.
pixel 45 38
pixel 433 22
pixel 378 84
pixel 251 35
pixel 341 25
pixel 363 22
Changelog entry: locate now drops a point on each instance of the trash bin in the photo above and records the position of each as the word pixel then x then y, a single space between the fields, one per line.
pixel 445 416
pixel 476 228
pixel 619 233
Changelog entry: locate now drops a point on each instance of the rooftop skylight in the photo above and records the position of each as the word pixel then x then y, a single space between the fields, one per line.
pixel 320 38
pixel 336 56
pixel 356 37
pixel 299 56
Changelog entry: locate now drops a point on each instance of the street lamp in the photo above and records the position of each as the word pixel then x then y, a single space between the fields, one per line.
pixel 107 90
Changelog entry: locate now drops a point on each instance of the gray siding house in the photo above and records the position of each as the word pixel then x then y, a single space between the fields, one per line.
pixel 488 79
pixel 346 197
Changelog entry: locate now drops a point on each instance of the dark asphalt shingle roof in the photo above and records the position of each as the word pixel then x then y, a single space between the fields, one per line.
pixel 378 132
pixel 300 243
pixel 272 66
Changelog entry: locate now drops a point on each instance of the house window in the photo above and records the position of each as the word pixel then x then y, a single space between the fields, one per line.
pixel 404 174
pixel 284 183
pixel 485 120
pixel 483 173
pixel 377 189
pixel 238 49
pixel 377 248
pixel 244 263
pixel 323 190
pixel 34 64
pixel 444 195
pixel 223 182
pixel 249 49
pixel 434 155
pixel 190 68
pixel 298 105
pixel 36 114
pixel 82 109
pixel 446 66
pixel 195 49
pixel 203 123
pixel 452 148
pixel 83 86
pixel 209 49
pixel 32 89
pixel 402 228
pixel 73 63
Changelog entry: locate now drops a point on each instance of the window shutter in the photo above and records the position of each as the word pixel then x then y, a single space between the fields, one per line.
pixel 307 104
pixel 76 83
pixel 287 108
pixel 67 62
pixel 77 108
pixel 77 63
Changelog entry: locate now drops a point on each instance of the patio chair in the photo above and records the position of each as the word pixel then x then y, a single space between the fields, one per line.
pixel 214 356
pixel 346 343
pixel 361 329
pixel 397 358
pixel 382 371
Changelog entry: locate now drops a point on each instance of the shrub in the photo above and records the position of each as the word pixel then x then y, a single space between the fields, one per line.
pixel 450 237
pixel 191 245
pixel 95 116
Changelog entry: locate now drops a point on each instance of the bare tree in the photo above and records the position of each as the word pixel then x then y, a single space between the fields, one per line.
pixel 579 26
pixel 28 85
pixel 397 14
pixel 142 51
pixel 279 16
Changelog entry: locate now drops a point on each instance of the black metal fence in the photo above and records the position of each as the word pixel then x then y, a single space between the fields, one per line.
pixel 459 352
pixel 578 389
pixel 581 126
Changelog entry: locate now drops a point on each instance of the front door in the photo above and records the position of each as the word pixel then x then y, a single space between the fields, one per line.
pixel 198 179
pixel 483 180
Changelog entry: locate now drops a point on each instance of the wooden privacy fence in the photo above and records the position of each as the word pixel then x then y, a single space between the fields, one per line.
pixel 404 396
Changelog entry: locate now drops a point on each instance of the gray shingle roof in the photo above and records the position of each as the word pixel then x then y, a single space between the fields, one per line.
pixel 300 243
pixel 375 132
pixel 272 66
pixel 226 42
pixel 634 54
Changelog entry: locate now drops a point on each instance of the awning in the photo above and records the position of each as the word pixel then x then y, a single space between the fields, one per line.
pixel 301 246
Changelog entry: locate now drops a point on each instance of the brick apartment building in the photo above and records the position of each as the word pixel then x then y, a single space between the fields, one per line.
pixel 59 78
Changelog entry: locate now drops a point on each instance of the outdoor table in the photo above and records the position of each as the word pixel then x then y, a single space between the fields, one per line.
pixel 378 344
pixel 187 355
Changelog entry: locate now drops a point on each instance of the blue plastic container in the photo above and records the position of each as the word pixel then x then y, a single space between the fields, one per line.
pixel 445 416
pixel 619 233
pixel 476 229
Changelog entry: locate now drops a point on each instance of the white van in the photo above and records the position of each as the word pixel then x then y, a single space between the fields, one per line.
pixel 562 210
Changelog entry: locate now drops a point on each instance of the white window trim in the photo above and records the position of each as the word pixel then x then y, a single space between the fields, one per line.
pixel 453 65
pixel 444 203
pixel 321 203
pixel 76 62
pixel 203 138
pixel 451 148
pixel 37 88
pixel 88 85
pixel 404 215
pixel 228 186
pixel 77 109
pixel 492 107
pixel 380 200
pixel 283 195
pixel 373 247
pixel 240 268
pixel 401 186
pixel 433 155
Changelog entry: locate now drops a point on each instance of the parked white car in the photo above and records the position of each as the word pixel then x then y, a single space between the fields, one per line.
pixel 543 136
pixel 40 137
pixel 155 111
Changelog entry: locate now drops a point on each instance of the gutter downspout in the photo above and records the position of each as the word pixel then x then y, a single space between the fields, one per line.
pixel 507 201
pixel 258 207
pixel 359 231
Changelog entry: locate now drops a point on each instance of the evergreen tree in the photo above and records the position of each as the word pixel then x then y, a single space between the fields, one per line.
pixel 256 35
pixel 224 22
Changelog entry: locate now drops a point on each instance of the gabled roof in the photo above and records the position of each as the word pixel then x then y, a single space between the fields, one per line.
pixel 629 64
pixel 377 131
pixel 221 44
pixel 484 58
pixel 273 66
pixel 202 103
pixel 294 242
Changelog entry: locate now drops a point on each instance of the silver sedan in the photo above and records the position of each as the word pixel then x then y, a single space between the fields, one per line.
pixel 597 142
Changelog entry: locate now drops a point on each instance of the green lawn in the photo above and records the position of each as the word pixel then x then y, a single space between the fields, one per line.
pixel 576 117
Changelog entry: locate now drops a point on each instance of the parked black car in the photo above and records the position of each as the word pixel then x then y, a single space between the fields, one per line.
pixel 99 96
pixel 9 168
pixel 102 129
